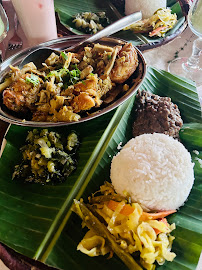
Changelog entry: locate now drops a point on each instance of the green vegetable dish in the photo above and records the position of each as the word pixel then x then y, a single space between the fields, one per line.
pixel 47 157
pixel 91 23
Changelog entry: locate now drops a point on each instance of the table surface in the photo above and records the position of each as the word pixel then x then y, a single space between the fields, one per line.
pixel 181 46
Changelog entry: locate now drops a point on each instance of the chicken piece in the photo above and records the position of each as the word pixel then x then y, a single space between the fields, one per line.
pixel 14 101
pixel 125 64
pixel 104 86
pixel 85 93
pixel 91 83
pixel 65 114
pixel 82 102
pixel 56 104
pixel 20 95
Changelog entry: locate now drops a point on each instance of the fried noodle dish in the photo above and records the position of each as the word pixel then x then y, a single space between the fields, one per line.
pixel 116 225
pixel 70 84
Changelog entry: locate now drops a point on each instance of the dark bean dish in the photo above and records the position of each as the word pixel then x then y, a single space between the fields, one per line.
pixel 156 114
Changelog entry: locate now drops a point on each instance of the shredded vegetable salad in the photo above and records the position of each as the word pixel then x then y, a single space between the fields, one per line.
pixel 116 225
pixel 157 25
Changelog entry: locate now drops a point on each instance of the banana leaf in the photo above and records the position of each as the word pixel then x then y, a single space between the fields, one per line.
pixel 37 210
pixel 188 242
pixel 37 220
pixel 67 9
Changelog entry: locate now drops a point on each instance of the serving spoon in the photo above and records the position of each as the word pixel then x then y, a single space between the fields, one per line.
pixel 40 55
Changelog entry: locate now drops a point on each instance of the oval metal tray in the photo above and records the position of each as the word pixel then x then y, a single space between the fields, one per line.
pixel 61 44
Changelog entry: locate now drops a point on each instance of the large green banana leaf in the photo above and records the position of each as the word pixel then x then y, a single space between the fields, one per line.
pixel 37 220
pixel 36 211
pixel 68 8
pixel 188 242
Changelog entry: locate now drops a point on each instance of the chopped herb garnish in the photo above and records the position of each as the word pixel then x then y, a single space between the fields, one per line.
pixel 63 54
pixel 74 66
pixel 74 76
pixel 32 79
pixel 59 74
pixel 66 76
pixel 109 56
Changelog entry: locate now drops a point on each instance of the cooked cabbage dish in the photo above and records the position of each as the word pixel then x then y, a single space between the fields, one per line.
pixel 157 25
pixel 48 157
pixel 70 85
pixel 115 225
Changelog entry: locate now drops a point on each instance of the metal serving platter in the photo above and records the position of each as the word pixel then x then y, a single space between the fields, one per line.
pixel 62 44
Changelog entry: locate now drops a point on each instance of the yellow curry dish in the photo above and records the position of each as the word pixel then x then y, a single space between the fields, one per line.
pixel 70 84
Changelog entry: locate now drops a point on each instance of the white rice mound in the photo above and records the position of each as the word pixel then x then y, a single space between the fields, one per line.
pixel 155 170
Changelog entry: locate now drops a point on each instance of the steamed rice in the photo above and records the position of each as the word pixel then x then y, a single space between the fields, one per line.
pixel 155 170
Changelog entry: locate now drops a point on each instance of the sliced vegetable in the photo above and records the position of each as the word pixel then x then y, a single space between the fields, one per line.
pixel 72 141
pixel 126 210
pixel 156 31
pixel 5 84
pixel 63 54
pixel 146 216
pixel 74 76
pixel 59 74
pixel 164 220
pixel 93 223
pixel 32 79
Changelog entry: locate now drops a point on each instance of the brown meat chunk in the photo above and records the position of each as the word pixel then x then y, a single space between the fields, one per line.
pixel 21 96
pixel 82 102
pixel 125 64
pixel 156 114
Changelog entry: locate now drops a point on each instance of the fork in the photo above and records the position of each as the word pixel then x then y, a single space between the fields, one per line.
pixel 15 42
